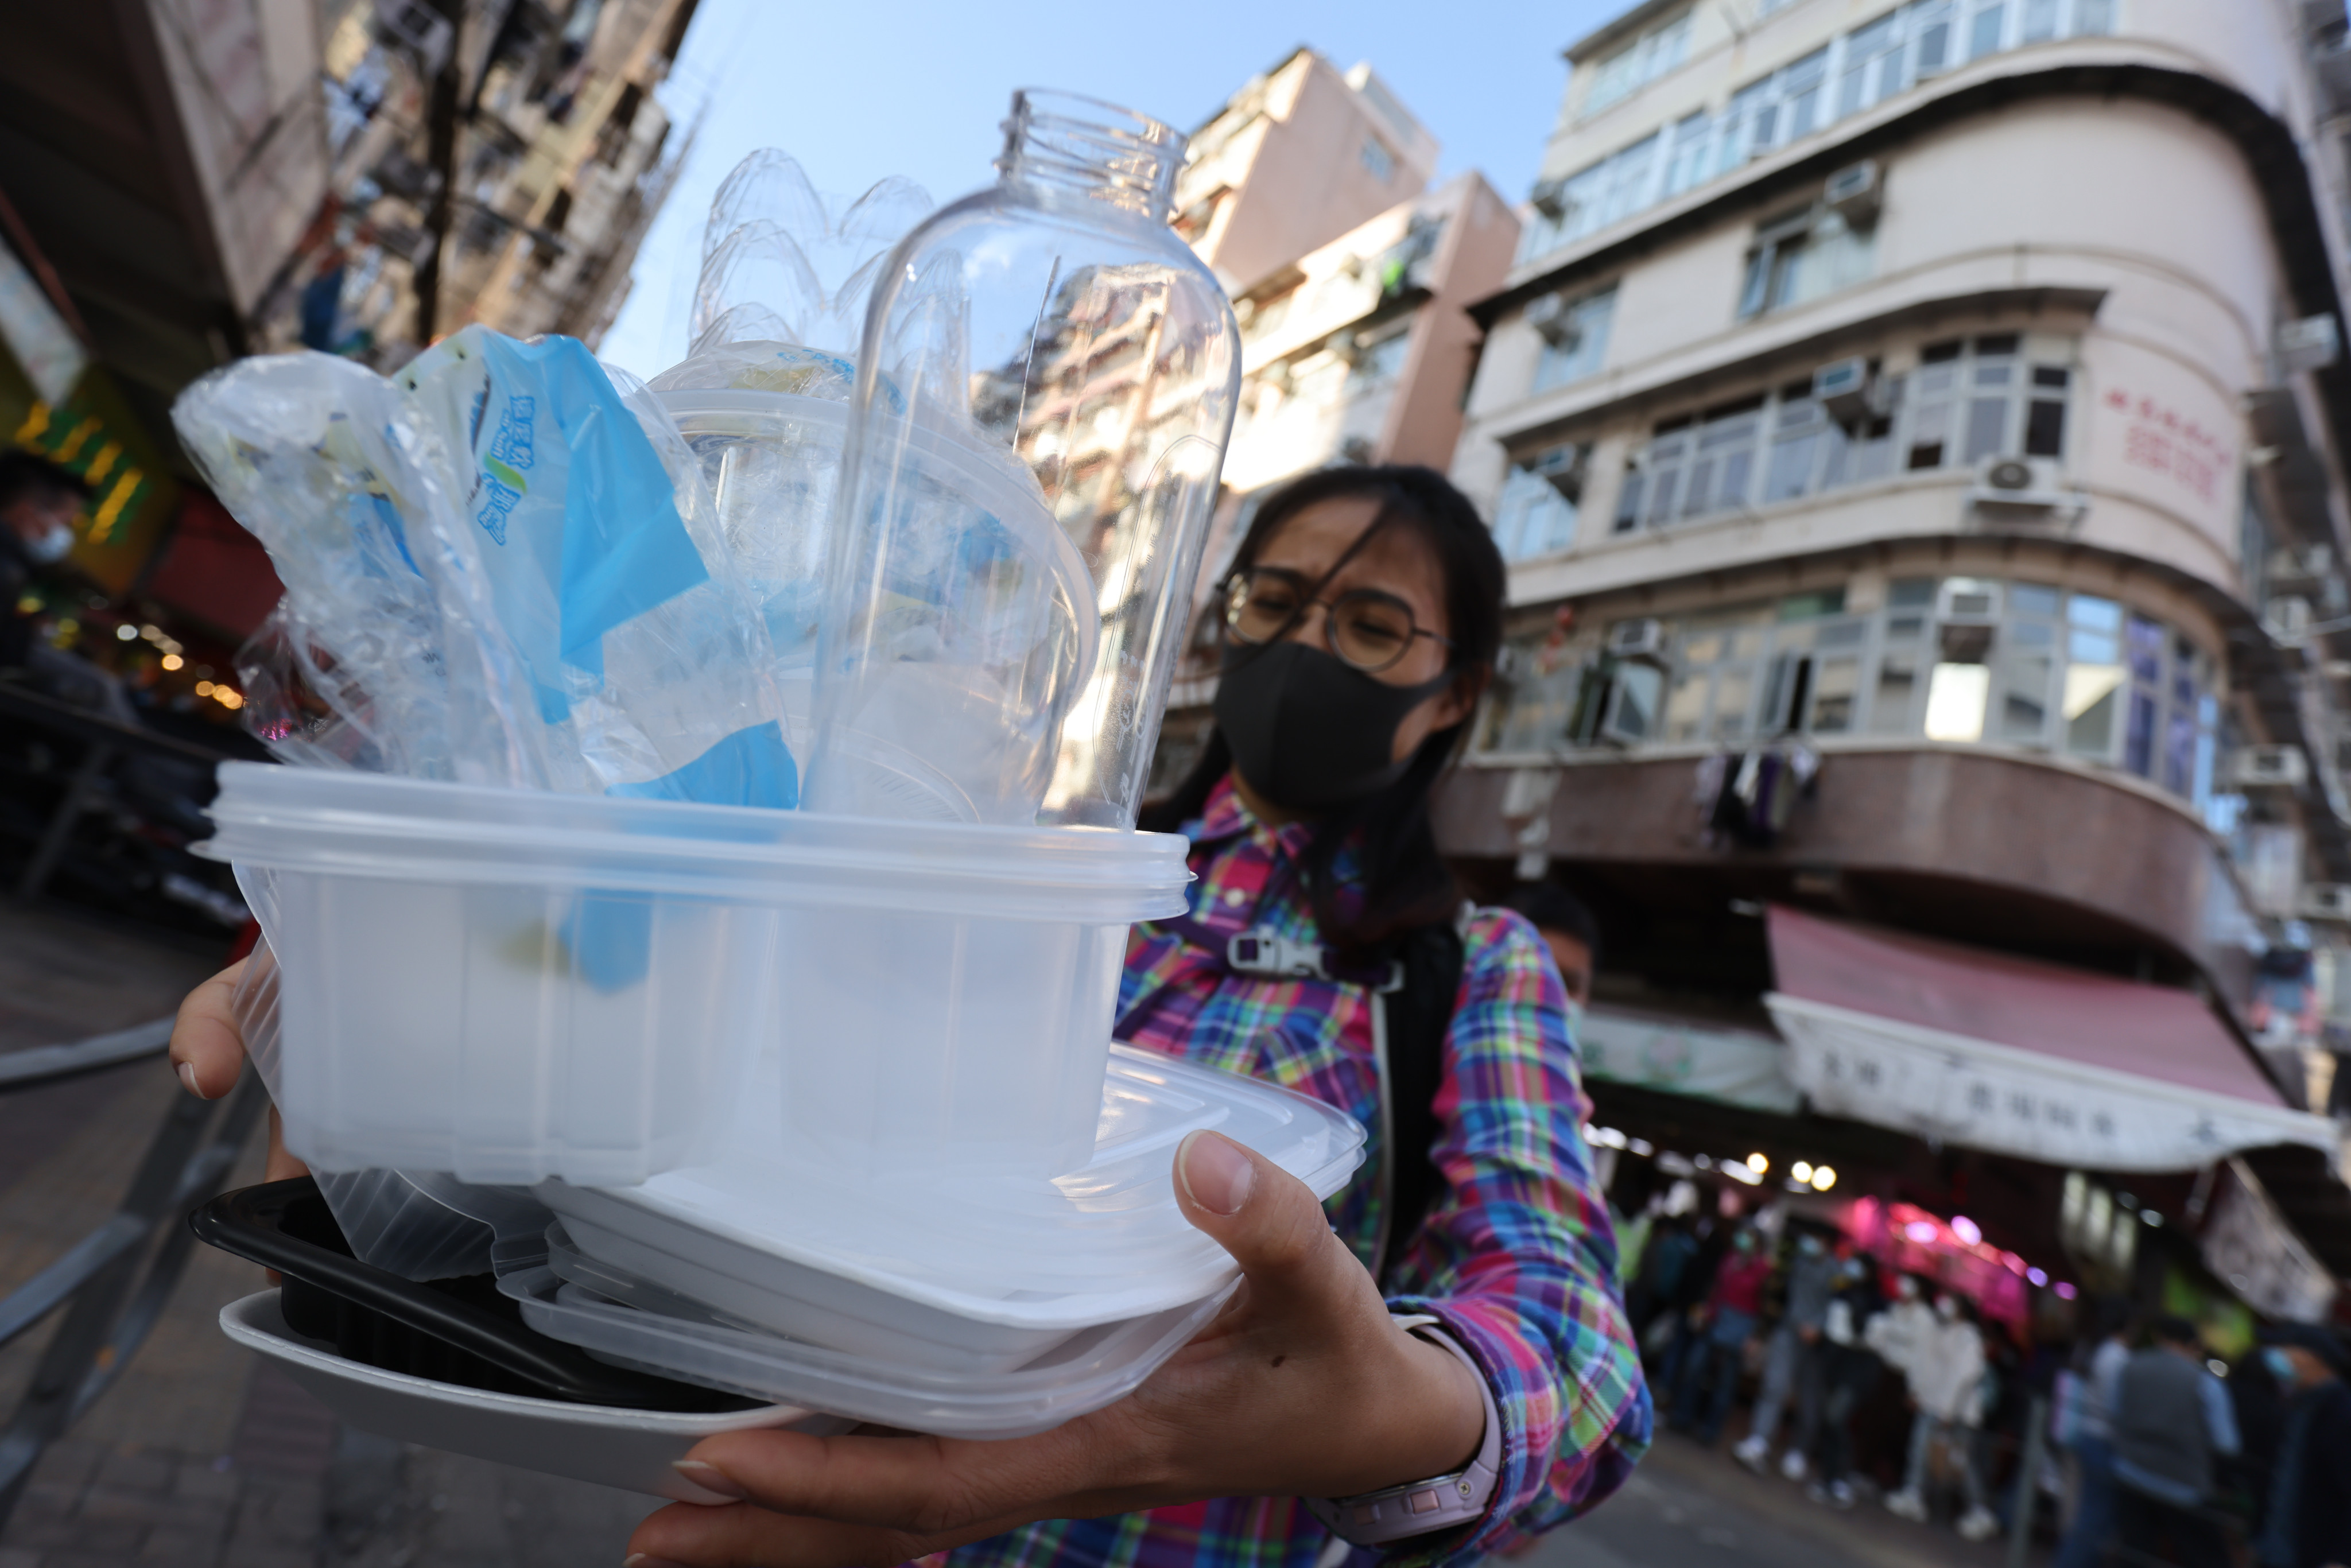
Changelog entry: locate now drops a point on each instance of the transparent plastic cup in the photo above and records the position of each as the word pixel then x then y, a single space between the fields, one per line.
pixel 1047 374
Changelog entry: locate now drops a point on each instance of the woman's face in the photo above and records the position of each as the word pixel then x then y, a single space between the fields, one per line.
pixel 1396 561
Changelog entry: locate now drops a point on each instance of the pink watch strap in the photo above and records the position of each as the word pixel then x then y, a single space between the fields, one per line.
pixel 1441 1502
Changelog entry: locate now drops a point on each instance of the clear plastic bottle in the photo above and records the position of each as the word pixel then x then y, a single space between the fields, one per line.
pixel 1045 388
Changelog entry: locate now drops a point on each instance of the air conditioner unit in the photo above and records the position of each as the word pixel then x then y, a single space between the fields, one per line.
pixel 2286 618
pixel 1642 639
pixel 1347 348
pixel 1855 193
pixel 2020 484
pixel 2268 768
pixel 1846 391
pixel 1563 466
pixel 1550 317
pixel 2311 343
pixel 2313 563
pixel 417 28
pixel 2326 900
pixel 1968 602
pixel 1550 199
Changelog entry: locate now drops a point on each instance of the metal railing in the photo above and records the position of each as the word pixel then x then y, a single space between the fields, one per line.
pixel 113 1284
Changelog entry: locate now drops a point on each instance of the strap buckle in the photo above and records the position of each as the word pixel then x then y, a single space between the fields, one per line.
pixel 1264 951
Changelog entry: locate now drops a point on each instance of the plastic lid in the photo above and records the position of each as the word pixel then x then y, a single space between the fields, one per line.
pixel 1083 1372
pixel 1102 1243
pixel 372 825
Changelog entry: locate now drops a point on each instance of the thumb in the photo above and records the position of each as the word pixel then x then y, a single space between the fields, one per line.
pixel 1267 1219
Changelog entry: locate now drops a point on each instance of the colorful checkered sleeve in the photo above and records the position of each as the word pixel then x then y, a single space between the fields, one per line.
pixel 1518 1256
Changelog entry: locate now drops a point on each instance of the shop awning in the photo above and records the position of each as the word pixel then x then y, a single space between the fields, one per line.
pixel 2017 1057
pixel 1710 1061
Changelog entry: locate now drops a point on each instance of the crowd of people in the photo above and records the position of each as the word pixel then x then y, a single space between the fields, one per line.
pixel 1868 1380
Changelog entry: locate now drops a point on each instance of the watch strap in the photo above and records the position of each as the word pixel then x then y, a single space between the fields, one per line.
pixel 1441 1502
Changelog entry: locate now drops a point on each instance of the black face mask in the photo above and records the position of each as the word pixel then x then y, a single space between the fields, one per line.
pixel 1309 730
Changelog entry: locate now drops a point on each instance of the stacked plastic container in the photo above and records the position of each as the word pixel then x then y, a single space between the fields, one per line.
pixel 819 1105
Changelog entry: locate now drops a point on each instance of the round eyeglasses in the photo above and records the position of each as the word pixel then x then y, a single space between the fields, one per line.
pixel 1368 629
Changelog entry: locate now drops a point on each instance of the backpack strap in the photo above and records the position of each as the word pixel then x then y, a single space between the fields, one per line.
pixel 1411 1021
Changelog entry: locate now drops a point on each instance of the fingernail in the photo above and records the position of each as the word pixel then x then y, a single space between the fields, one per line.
pixel 639 1560
pixel 710 1478
pixel 188 1077
pixel 1216 1174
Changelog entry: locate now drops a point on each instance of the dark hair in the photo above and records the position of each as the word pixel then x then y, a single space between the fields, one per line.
pixel 24 474
pixel 1552 908
pixel 1405 883
pixel 2174 1331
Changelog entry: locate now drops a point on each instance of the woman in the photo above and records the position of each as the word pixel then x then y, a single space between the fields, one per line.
pixel 1495 1381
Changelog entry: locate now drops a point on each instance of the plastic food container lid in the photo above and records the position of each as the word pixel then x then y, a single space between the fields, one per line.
pixel 372 825
pixel 1083 1372
pixel 1104 1243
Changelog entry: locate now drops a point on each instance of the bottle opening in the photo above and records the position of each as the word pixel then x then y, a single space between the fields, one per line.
pixel 1083 145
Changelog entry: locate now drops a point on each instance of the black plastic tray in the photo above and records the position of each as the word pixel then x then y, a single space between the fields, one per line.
pixel 459 1330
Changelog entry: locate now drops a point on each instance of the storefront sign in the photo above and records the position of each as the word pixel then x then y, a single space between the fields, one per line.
pixel 2160 439
pixel 1980 1094
pixel 1737 1067
pixel 2247 1243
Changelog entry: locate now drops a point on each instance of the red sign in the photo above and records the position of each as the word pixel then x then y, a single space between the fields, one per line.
pixel 2162 440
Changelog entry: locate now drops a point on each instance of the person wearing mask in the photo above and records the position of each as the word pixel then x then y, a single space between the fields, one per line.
pixel 1567 929
pixel 1710 1370
pixel 1790 1363
pixel 2308 1521
pixel 1850 1374
pixel 2092 1439
pixel 1947 1377
pixel 1900 1334
pixel 1448 1327
pixel 1672 1250
pixel 2171 1417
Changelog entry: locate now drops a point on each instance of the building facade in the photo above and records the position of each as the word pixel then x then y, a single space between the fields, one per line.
pixel 1352 281
pixel 1916 431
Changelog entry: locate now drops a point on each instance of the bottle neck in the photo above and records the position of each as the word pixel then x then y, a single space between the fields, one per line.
pixel 1062 144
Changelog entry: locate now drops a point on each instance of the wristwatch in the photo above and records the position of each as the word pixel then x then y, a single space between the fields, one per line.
pixel 1441 1502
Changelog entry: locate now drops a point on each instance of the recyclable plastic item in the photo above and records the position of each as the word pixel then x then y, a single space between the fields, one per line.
pixel 1083 1372
pixel 633 1449
pixel 456 1330
pixel 975 1276
pixel 1055 326
pixel 536 1052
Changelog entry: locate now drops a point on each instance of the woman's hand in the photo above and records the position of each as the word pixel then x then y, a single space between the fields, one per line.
pixel 208 1054
pixel 1302 1386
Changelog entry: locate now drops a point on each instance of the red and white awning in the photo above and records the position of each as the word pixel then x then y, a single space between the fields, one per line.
pixel 2015 1056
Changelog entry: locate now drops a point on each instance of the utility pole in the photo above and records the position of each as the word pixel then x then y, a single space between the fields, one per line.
pixel 441 157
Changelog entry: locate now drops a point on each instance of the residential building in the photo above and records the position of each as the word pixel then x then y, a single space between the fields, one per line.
pixel 1917 431
pixel 1355 348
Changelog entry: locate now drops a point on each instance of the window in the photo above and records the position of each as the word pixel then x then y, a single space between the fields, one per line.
pixel 1638 64
pixel 1804 258
pixel 1885 56
pixel 1575 340
pixel 1961 661
pixel 1378 363
pixel 1995 389
pixel 1378 158
pixel 1541 498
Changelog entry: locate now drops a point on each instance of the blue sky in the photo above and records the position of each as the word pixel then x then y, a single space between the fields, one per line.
pixel 858 90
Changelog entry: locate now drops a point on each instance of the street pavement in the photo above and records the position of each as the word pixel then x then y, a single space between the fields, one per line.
pixel 200 1456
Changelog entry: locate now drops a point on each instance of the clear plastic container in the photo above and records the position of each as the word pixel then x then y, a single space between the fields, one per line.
pixel 1083 1372
pixel 1054 329
pixel 509 986
pixel 975 1275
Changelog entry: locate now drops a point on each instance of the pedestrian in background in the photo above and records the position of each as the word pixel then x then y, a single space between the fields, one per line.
pixel 2171 1417
pixel 1568 929
pixel 2308 1523
pixel 2088 1430
pixel 1727 1321
pixel 1850 1371
pixel 1790 1364
pixel 1946 1378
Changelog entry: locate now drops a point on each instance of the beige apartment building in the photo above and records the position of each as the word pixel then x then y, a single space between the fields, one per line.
pixel 1309 196
pixel 1917 431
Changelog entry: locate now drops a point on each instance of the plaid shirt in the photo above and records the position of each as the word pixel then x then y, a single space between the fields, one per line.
pixel 1517 1256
